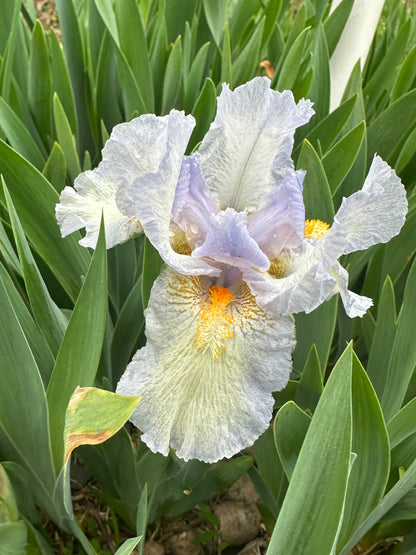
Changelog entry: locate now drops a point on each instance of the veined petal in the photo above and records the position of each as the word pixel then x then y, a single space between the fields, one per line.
pixel 206 406
pixel 153 193
pixel 194 202
pixel 370 216
pixel 280 221
pixel 250 139
pixel 94 194
pixel 229 242
pixel 297 289
pixel 355 305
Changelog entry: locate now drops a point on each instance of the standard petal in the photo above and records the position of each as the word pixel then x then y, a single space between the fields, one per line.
pixel 205 407
pixel 194 203
pixel 370 216
pixel 229 242
pixel 280 221
pixel 152 194
pixel 251 138
pixel 94 194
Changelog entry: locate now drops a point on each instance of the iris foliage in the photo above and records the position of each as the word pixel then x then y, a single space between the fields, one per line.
pixel 338 465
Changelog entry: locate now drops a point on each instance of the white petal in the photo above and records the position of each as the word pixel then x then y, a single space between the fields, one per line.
pixel 251 137
pixel 94 194
pixel 204 407
pixel 153 193
pixel 370 216
pixel 355 305
pixel 299 291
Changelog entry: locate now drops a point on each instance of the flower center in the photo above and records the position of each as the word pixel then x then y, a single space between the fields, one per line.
pixel 280 266
pixel 215 324
pixel 315 229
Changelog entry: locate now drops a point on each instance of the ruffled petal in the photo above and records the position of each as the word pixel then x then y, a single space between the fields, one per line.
pixel 370 216
pixel 228 241
pixel 94 194
pixel 250 139
pixel 205 407
pixel 280 222
pixel 355 305
pixel 152 194
pixel 298 291
pixel 194 203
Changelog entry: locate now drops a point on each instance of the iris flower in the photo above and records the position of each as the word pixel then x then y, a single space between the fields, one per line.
pixel 229 222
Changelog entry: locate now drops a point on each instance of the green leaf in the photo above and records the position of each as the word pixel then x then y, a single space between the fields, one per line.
pixel 61 81
pixel 13 538
pixel 172 84
pixel 312 509
pixel 49 317
pixel 248 60
pixel 93 416
pixel 128 328
pixel 127 547
pixel 22 399
pixel 310 384
pixel 40 82
pixel 405 77
pixel 384 76
pixel 370 442
pixel 36 341
pixel 339 160
pixel 268 464
pixel 320 85
pixel 388 129
pixel 79 354
pixel 403 355
pixel 290 427
pixel 66 139
pixel 32 194
pixel 403 424
pixel 55 168
pixel 383 339
pixel 335 24
pixel 289 71
pixel 8 507
pixel 19 137
pixel 204 112
pixel 394 495
pixel 73 50
pixel 130 24
pixel 226 63
pixel 329 128
pixel 216 14
pixel 141 518
pixel 316 191
pixel 194 77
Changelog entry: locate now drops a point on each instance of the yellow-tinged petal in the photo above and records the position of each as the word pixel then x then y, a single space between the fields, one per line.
pixel 206 392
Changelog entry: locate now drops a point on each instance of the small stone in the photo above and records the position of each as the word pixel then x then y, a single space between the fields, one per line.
pixel 239 522
pixel 153 548
pixel 242 490
pixel 181 544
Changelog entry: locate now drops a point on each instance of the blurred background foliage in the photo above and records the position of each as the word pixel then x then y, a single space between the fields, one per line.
pixel 69 317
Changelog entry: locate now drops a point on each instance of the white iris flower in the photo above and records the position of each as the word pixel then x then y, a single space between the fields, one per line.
pixel 229 221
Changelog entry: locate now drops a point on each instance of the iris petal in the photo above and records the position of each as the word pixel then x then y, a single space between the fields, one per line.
pixel 205 407
pixel 280 221
pixel 250 140
pixel 229 242
pixel 93 195
pixel 194 203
